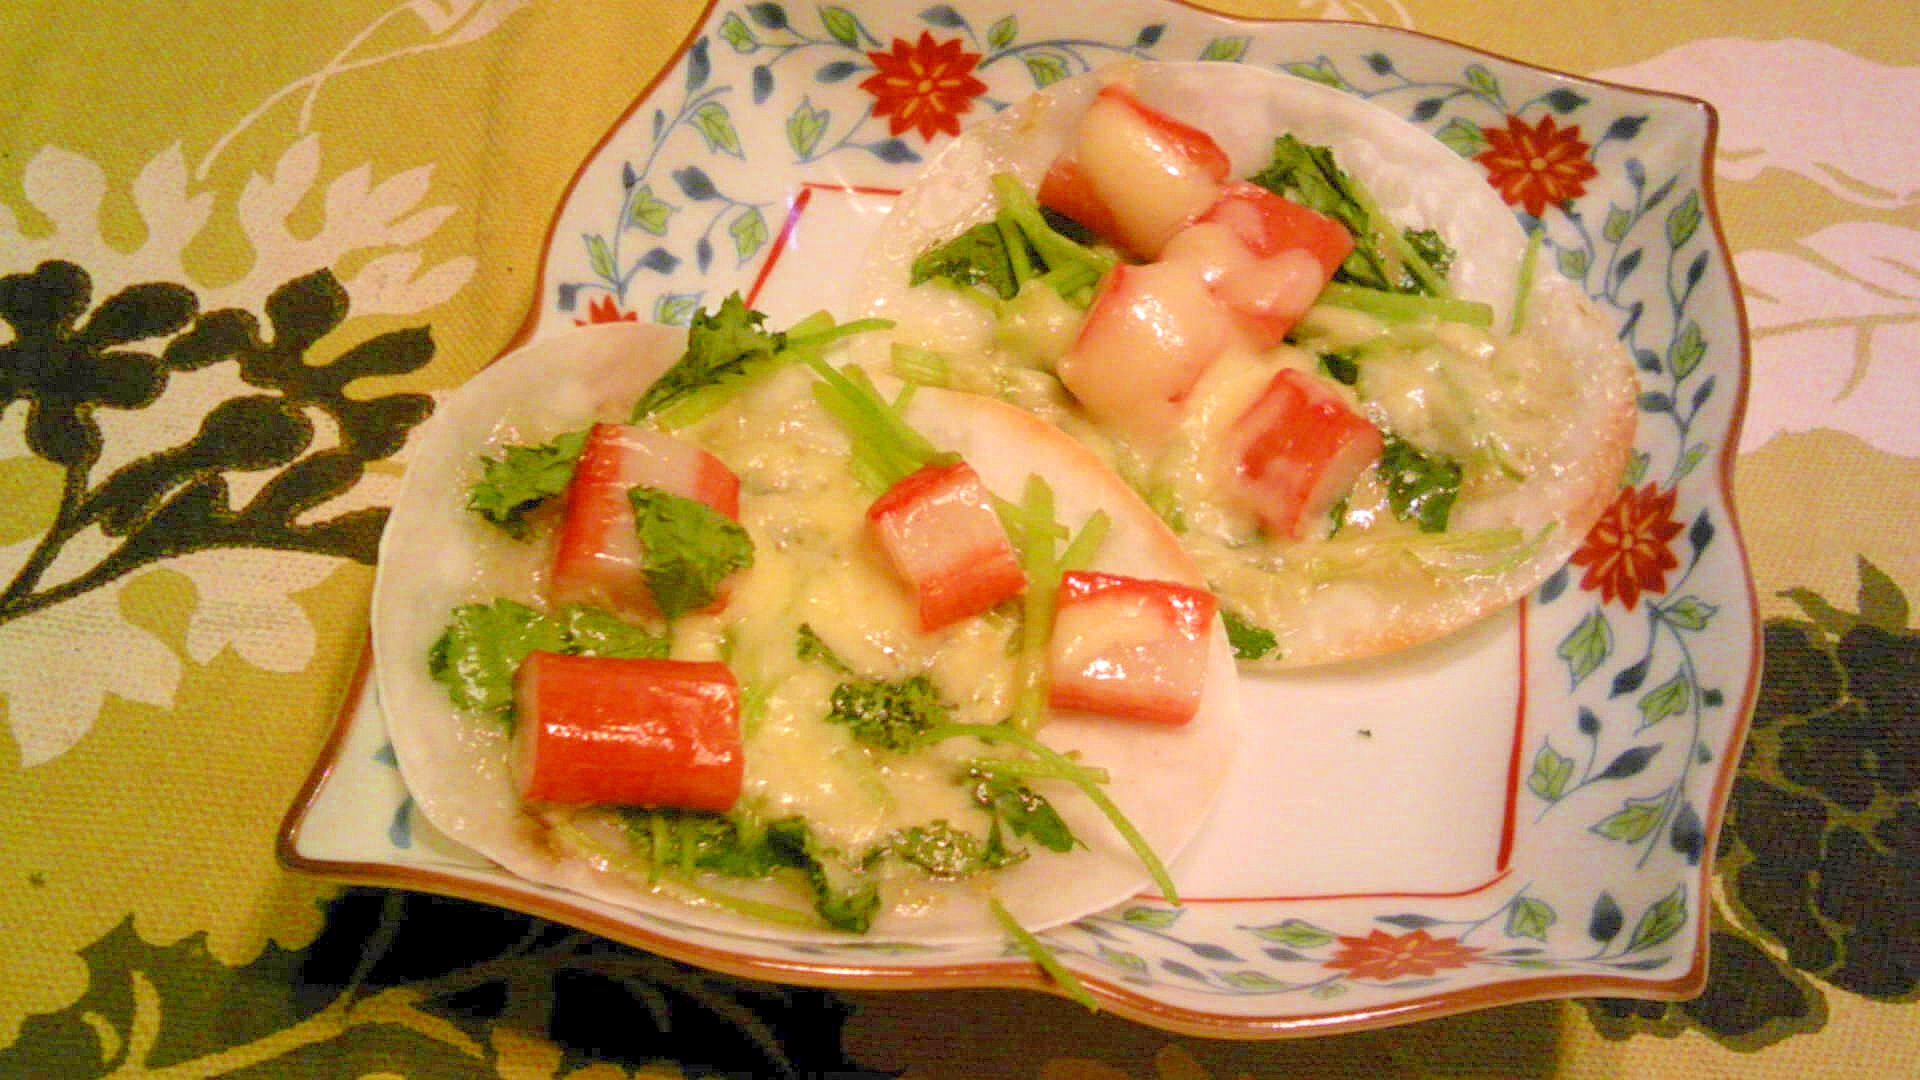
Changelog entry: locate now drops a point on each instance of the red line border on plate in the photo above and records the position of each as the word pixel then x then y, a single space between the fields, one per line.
pixel 791 225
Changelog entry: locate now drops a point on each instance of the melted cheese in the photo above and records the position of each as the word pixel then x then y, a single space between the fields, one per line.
pixel 814 564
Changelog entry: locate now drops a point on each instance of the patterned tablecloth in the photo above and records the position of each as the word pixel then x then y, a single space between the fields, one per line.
pixel 241 244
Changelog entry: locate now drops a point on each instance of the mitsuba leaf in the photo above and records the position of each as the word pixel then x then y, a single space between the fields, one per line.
pixel 977 257
pixel 888 715
pixel 1384 257
pixel 1249 641
pixel 726 343
pixel 690 840
pixel 1027 813
pixel 687 548
pixel 1421 487
pixel 481 648
pixel 1020 244
pixel 842 901
pixel 594 632
pixel 521 479
pixel 944 851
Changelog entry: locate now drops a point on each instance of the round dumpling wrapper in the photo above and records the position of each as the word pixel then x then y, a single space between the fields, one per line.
pixel 437 555
pixel 1341 599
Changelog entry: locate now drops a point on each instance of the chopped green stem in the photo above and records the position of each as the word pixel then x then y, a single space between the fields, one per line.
pixel 1035 535
pixel 1079 553
pixel 1491 551
pixel 1037 950
pixel 1523 288
pixel 924 367
pixel 885 447
pixel 1041 770
pixel 1406 307
pixel 804 336
pixel 1074 773
pixel 740 905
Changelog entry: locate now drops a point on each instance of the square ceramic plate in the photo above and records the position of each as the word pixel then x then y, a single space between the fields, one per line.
pixel 1523 811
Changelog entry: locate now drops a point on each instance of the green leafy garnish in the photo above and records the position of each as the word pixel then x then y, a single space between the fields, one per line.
pixel 689 840
pixel 481 648
pixel 978 256
pixel 726 350
pixel 515 483
pixel 687 549
pixel 842 901
pixel 592 631
pixel 808 645
pixel 1523 285
pixel 1384 257
pixel 726 343
pixel 1341 367
pixel 1249 641
pixel 1027 813
pixel 944 851
pixel 1400 307
pixel 888 715
pixel 1020 245
pixel 1421 487
pixel 675 844
pixel 1051 763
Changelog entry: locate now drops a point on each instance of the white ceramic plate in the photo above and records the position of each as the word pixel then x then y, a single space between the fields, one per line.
pixel 1523 811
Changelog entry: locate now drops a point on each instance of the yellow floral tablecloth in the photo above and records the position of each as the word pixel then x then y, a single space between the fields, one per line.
pixel 242 243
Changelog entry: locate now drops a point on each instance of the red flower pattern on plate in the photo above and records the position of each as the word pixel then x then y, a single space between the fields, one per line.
pixel 1539 166
pixel 1629 550
pixel 925 86
pixel 1385 956
pixel 603 309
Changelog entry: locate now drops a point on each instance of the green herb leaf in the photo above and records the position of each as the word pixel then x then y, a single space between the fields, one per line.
pixel 975 257
pixel 688 840
pixel 1249 641
pixel 944 851
pixel 1042 956
pixel 1026 812
pixel 523 477
pixel 1384 257
pixel 687 549
pixel 886 449
pixel 809 646
pixel 842 901
pixel 482 646
pixel 725 344
pixel 1021 244
pixel 591 631
pixel 888 715
pixel 1421 487
pixel 1341 367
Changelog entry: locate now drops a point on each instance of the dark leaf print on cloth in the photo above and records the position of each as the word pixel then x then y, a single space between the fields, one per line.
pixel 450 988
pixel 66 364
pixel 1821 849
